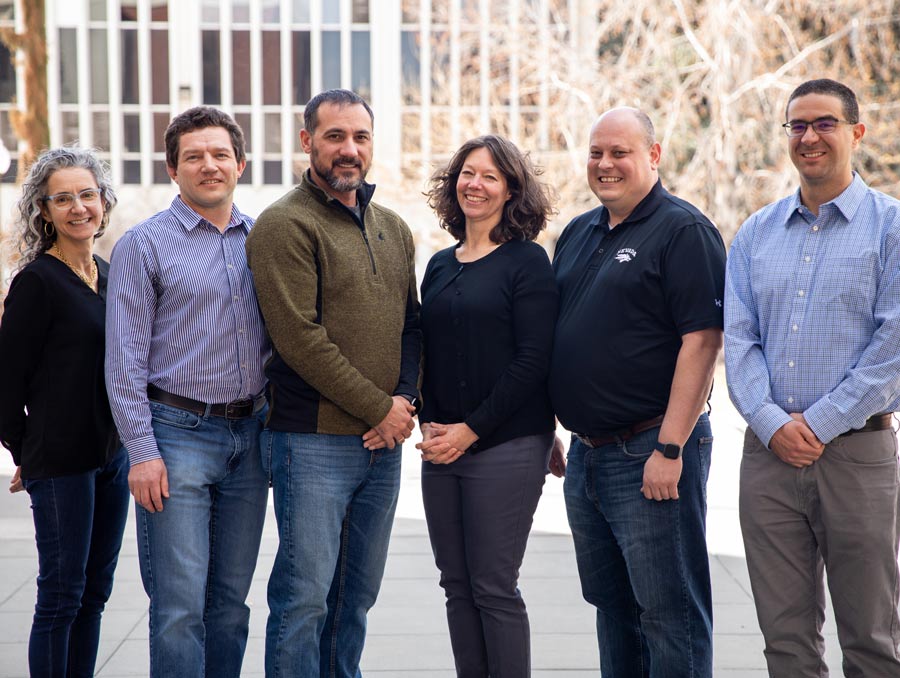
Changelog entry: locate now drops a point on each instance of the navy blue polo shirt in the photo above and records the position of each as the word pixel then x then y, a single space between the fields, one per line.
pixel 627 295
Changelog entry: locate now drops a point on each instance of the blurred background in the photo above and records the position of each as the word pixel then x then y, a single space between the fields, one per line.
pixel 713 75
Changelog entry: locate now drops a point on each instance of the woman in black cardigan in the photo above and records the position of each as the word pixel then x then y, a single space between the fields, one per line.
pixel 54 413
pixel 488 310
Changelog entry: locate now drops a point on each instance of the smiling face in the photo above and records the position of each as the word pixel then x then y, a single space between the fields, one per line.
pixel 78 222
pixel 482 190
pixel 340 149
pixel 622 162
pixel 823 160
pixel 207 171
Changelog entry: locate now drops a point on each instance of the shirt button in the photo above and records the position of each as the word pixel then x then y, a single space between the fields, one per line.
pixel 795 328
pixel 807 259
pixel 462 383
pixel 236 298
pixel 230 266
pixel 790 400
pixel 800 293
pixel 815 228
pixel 790 363
pixel 600 251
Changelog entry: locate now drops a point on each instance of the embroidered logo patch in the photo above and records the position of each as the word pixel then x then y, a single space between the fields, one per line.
pixel 625 254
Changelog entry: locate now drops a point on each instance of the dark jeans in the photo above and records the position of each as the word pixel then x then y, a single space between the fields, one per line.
pixel 78 525
pixel 643 564
pixel 479 511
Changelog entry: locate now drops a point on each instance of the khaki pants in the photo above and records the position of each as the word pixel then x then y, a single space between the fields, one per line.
pixel 840 513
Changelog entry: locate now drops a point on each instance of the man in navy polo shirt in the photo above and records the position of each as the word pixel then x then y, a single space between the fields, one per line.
pixel 641 281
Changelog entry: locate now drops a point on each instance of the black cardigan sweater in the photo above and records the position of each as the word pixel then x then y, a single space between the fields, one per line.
pixel 488 334
pixel 51 362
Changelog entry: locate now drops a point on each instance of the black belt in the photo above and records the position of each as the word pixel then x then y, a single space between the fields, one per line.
pixel 621 436
pixel 877 422
pixel 236 409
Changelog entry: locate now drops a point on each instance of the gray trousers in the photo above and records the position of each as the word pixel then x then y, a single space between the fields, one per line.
pixel 479 511
pixel 840 514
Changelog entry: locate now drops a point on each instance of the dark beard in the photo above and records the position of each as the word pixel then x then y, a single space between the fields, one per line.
pixel 339 184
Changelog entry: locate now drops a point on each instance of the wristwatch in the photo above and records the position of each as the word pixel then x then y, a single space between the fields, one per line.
pixel 412 400
pixel 669 450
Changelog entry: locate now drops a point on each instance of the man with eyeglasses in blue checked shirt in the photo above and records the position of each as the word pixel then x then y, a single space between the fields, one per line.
pixel 812 330
pixel 185 351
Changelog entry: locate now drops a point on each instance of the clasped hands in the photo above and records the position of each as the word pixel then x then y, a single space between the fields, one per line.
pixel 796 444
pixel 394 429
pixel 445 443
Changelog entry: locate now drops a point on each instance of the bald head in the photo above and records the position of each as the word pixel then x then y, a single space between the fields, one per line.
pixel 623 161
pixel 624 112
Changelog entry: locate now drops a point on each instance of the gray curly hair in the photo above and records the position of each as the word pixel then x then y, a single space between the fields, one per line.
pixel 32 238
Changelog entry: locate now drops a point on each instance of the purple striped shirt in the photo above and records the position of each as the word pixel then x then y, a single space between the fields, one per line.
pixel 181 314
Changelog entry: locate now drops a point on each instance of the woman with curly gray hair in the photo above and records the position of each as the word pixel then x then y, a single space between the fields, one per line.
pixel 54 413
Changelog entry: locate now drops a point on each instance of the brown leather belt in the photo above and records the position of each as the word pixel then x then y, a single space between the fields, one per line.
pixel 877 422
pixel 237 409
pixel 621 436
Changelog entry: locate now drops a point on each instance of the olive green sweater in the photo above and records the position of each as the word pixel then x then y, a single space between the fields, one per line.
pixel 339 299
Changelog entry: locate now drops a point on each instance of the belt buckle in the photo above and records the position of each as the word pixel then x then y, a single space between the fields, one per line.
pixel 235 409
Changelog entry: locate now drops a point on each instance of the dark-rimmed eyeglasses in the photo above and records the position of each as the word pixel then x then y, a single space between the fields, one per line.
pixel 65 200
pixel 797 128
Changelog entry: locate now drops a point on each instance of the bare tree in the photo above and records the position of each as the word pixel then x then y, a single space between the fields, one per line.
pixel 31 125
pixel 714 75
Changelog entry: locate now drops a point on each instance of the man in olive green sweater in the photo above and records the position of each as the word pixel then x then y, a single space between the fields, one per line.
pixel 336 283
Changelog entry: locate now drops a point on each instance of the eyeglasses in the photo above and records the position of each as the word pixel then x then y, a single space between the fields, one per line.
pixel 64 201
pixel 797 128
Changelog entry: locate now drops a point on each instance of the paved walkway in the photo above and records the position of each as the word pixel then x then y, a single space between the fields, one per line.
pixel 407 628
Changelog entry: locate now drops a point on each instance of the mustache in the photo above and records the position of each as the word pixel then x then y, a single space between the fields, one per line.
pixel 346 160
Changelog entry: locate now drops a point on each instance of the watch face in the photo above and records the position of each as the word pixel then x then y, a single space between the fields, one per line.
pixel 669 450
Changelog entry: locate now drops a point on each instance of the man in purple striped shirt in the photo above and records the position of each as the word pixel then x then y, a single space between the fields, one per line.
pixel 184 368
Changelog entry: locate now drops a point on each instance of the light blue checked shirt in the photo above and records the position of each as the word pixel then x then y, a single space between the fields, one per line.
pixel 812 313
pixel 181 314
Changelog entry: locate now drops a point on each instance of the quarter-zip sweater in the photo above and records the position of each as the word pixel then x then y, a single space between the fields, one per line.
pixel 338 295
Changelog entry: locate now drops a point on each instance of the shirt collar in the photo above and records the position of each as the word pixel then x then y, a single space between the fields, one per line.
pixel 189 219
pixel 645 208
pixel 847 203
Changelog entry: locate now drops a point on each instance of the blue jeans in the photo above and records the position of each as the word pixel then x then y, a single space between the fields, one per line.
pixel 198 554
pixel 78 523
pixel 335 503
pixel 643 564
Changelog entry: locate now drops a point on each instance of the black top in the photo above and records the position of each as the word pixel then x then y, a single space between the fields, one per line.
pixel 488 333
pixel 627 295
pixel 51 359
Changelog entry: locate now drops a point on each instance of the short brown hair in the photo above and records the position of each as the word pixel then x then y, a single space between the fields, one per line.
pixel 201 117
pixel 525 214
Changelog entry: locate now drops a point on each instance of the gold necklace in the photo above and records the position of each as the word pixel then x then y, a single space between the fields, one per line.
pixel 90 282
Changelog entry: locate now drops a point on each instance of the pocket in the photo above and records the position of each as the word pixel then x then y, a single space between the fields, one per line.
pixel 174 416
pixel 872 448
pixel 637 449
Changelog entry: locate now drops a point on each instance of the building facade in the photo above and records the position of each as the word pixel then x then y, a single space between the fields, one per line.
pixel 436 72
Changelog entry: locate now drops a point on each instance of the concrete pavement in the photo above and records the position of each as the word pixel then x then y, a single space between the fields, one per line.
pixel 407 628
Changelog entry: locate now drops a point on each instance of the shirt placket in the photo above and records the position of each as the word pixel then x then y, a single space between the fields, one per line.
pixel 456 320
pixel 238 307
pixel 809 257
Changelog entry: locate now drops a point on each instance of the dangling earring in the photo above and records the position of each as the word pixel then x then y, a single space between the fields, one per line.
pixel 49 229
